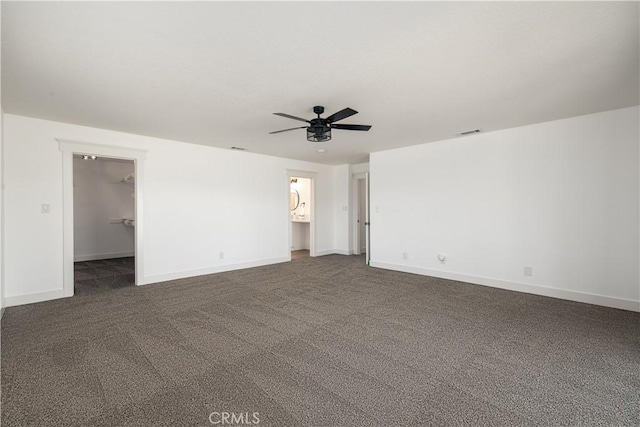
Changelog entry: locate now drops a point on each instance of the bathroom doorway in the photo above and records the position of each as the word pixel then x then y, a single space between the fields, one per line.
pixel 301 211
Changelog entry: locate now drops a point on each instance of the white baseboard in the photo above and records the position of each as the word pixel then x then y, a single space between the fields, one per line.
pixel 108 255
pixel 32 298
pixel 323 253
pixel 333 252
pixel 621 303
pixel 343 252
pixel 212 270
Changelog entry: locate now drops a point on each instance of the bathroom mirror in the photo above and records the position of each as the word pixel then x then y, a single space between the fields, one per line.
pixel 294 199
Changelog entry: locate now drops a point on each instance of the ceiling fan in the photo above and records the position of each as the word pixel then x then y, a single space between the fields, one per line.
pixel 319 129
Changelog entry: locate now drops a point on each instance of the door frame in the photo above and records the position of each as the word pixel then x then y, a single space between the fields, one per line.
pixel 356 211
pixel 291 173
pixel 69 148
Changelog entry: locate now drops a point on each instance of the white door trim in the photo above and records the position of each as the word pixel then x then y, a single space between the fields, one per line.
pixel 69 148
pixel 357 250
pixel 367 223
pixel 312 225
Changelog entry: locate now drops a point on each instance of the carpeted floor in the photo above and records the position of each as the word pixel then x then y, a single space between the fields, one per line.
pixel 318 342
pixel 103 275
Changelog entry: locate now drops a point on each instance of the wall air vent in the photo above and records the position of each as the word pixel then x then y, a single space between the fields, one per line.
pixel 468 132
pixel 238 148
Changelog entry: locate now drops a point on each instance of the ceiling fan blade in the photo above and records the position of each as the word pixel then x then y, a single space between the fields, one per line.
pixel 351 127
pixel 288 116
pixel 287 130
pixel 342 114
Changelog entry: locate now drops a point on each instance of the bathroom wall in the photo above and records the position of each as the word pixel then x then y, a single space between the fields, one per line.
pixel 304 188
pixel 300 236
pixel 300 231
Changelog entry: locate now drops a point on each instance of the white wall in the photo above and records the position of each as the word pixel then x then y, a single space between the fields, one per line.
pixel 198 201
pixel 561 197
pixel 342 213
pixel 99 198
pixel 2 303
pixel 359 168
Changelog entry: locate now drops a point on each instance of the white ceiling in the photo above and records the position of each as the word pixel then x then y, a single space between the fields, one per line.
pixel 212 73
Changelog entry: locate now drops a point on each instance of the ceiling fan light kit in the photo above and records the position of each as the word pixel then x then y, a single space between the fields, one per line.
pixel 319 129
pixel 321 134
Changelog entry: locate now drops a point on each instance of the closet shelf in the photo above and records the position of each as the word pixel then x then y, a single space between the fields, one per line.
pixel 129 179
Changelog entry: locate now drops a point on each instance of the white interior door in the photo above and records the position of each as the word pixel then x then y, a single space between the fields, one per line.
pixel 367 220
pixel 361 236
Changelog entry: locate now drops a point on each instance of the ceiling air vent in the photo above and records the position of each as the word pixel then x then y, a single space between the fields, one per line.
pixel 238 148
pixel 468 132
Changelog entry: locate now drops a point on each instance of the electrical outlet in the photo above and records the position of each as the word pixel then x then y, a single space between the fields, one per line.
pixel 405 255
pixel 528 271
pixel 45 208
pixel 221 255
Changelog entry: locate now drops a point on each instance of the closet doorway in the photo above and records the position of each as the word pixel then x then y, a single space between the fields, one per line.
pixel 301 211
pixel 103 223
pixel 70 149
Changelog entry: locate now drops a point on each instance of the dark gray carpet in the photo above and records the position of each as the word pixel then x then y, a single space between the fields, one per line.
pixel 318 342
pixel 103 275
